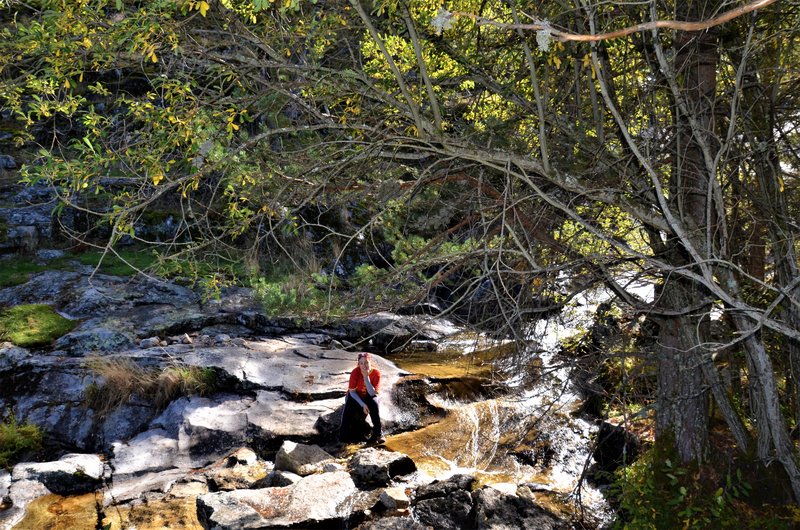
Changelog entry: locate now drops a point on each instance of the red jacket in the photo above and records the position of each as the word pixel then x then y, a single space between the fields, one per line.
pixel 357 381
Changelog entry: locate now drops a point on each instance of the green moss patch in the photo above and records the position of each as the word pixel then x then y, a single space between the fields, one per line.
pixel 32 325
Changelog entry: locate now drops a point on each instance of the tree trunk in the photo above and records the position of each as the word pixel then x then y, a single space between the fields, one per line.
pixel 682 392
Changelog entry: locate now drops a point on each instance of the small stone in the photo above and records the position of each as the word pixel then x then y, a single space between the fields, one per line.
pixel 163 343
pixel 222 338
pixel 279 479
pixel 241 457
pixel 238 341
pixel 332 467
pixel 186 339
pixel 395 498
pixel 150 342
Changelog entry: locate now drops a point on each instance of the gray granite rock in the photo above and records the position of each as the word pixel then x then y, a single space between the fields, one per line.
pixel 301 459
pixel 242 469
pixel 90 340
pixel 71 474
pixel 453 512
pixel 377 466
pixel 151 451
pixel 497 511
pixel 316 500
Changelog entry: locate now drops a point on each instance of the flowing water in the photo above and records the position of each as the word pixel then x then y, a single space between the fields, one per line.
pixel 532 434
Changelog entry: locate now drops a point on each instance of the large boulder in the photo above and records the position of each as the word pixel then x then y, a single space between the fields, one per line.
pixel 453 512
pixel 444 488
pixel 301 459
pixel 317 501
pixel 71 474
pixel 498 511
pixel 446 504
pixel 374 466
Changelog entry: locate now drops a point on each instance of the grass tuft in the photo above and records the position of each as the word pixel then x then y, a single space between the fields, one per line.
pixel 123 378
pixel 32 325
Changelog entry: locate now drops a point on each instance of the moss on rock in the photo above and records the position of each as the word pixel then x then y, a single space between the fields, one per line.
pixel 32 325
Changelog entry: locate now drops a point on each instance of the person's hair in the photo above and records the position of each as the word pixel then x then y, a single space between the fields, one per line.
pixel 363 355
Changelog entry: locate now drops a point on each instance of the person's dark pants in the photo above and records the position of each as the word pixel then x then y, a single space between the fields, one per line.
pixel 354 426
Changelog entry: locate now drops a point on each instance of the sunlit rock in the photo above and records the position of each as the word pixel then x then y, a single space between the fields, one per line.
pixel 72 473
pixel 316 500
pixel 395 498
pixel 151 451
pixel 378 466
pixel 279 479
pixel 301 459
pixel 240 470
pixel 125 489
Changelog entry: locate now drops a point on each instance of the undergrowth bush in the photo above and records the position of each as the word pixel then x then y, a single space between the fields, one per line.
pixel 16 440
pixel 656 493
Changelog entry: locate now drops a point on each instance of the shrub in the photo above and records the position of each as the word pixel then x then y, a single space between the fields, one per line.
pixel 17 440
pixel 655 493
pixel 32 325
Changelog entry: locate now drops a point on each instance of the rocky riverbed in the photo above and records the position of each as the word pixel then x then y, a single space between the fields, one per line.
pixel 256 450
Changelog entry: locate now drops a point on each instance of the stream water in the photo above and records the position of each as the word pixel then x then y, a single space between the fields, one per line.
pixel 531 434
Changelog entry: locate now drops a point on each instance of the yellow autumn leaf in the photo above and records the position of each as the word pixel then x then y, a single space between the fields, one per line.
pixel 557 61
pixel 587 60
pixel 203 7
pixel 780 183
pixel 153 57
pixel 157 177
pixel 87 42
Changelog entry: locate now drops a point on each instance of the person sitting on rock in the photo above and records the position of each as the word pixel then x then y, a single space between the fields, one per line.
pixel 362 400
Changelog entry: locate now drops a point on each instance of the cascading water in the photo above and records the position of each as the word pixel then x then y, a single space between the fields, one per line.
pixel 531 435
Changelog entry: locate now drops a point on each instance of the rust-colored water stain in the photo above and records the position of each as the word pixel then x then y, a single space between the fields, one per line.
pixel 473 438
pixel 175 514
pixel 453 362
pixel 54 512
